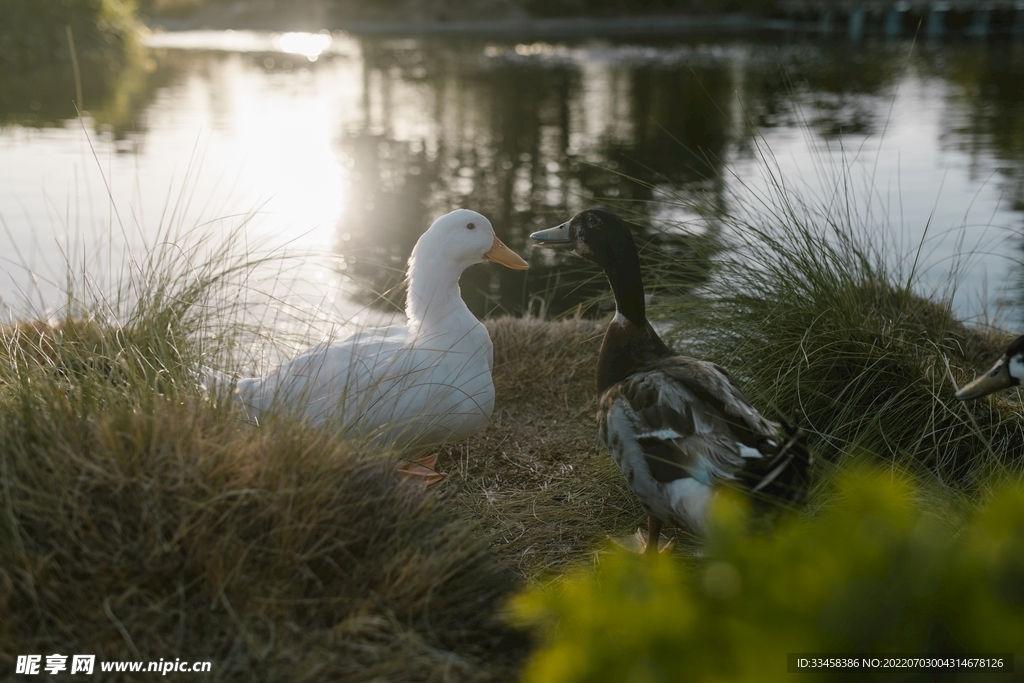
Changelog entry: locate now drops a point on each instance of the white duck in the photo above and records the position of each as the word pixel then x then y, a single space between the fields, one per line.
pixel 418 384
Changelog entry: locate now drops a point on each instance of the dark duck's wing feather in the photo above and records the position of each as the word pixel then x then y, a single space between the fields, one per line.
pixel 689 420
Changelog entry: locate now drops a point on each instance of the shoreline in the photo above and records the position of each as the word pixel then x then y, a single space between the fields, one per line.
pixel 852 23
pixel 519 27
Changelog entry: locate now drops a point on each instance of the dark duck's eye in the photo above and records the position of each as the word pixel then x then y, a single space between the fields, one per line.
pixel 470 226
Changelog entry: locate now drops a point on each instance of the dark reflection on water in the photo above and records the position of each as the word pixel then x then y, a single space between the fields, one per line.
pixel 835 89
pixel 530 134
pixel 989 97
pixel 529 140
pixel 515 146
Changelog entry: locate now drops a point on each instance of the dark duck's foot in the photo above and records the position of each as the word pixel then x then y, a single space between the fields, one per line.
pixel 640 542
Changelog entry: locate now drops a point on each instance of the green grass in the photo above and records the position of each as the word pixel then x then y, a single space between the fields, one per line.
pixel 169 6
pixel 827 321
pixel 140 521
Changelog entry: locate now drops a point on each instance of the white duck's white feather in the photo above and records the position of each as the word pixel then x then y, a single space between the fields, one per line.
pixel 423 382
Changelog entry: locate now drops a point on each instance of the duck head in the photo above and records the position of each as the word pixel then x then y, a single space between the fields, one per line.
pixel 1007 372
pixel 597 235
pixel 464 237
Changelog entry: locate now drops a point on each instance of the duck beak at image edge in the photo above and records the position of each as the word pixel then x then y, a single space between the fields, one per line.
pixel 554 238
pixel 995 379
pixel 499 253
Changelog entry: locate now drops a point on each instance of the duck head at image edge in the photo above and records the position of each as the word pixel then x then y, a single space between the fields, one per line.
pixel 679 428
pixel 1007 372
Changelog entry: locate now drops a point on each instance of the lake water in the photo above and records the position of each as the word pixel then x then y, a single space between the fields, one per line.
pixel 341 151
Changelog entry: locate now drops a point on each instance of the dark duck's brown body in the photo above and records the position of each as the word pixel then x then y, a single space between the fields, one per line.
pixel 678 427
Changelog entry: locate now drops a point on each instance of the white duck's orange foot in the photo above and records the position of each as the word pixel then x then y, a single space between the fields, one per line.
pixel 421 470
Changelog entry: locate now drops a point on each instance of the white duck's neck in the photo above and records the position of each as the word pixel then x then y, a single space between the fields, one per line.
pixel 434 301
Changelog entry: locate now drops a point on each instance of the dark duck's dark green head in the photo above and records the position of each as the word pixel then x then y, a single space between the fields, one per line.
pixel 599 236
pixel 1007 372
pixel 630 343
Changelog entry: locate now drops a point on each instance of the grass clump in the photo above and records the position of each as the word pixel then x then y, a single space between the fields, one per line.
pixel 140 521
pixel 277 555
pixel 877 572
pixel 539 478
pixel 822 320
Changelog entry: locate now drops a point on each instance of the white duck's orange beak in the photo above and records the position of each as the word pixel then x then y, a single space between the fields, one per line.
pixel 499 253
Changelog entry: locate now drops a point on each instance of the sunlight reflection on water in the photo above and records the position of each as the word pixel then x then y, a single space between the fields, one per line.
pixel 345 149
pixel 311 45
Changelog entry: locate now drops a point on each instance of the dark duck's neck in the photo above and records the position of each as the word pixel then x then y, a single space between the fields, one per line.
pixel 630 343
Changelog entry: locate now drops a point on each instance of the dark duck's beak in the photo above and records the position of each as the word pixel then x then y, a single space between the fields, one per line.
pixel 554 238
pixel 995 379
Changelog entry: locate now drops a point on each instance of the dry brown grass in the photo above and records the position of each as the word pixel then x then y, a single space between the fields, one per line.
pixel 539 477
pixel 138 522
pixel 277 556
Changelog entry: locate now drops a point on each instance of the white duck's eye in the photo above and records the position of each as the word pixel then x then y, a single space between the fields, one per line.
pixel 470 226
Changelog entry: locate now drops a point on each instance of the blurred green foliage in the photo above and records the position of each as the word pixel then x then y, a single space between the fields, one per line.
pixel 114 93
pixel 878 571
pixel 40 84
pixel 34 33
